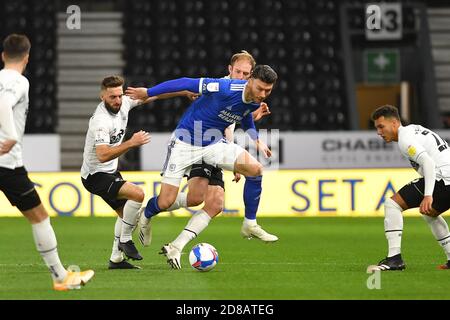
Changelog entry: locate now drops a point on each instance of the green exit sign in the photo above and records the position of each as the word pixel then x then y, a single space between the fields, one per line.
pixel 381 66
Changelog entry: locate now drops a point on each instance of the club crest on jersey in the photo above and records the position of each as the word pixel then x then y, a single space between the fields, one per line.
pixel 411 151
pixel 212 87
pixel 246 112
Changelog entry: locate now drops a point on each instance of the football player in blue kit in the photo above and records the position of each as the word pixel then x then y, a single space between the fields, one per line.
pixel 199 137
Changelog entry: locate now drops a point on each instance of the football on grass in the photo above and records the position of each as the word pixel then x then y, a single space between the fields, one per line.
pixel 203 257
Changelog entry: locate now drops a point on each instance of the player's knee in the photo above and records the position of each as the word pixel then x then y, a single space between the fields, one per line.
pixel 259 170
pixel 256 170
pixel 139 195
pixel 389 203
pixel 214 208
pixel 165 202
pixel 218 202
pixel 217 207
pixel 195 199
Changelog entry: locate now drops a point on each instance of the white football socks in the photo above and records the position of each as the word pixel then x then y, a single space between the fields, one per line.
pixel 45 240
pixel 439 228
pixel 116 255
pixel 180 202
pixel 250 222
pixel 196 224
pixel 393 226
pixel 129 220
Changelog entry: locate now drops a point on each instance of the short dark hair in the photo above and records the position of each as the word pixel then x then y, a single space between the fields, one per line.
pixel 16 46
pixel 264 73
pixel 112 82
pixel 386 111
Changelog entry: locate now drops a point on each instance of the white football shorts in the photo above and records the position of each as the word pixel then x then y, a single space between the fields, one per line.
pixel 181 156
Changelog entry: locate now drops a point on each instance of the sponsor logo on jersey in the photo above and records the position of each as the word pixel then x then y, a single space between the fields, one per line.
pixel 116 138
pixel 229 117
pixel 411 151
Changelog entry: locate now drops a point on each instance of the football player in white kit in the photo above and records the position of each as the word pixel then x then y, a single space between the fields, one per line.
pixel 429 155
pixel 14 181
pixel 99 172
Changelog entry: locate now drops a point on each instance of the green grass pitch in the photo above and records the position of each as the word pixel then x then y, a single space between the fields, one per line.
pixel 315 258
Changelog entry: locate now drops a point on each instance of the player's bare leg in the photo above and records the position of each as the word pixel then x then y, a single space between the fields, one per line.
pixel 197 188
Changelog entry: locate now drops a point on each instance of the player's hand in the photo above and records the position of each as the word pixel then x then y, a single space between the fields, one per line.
pixel 261 112
pixel 140 138
pixel 261 146
pixel 425 206
pixel 6 146
pixel 192 95
pixel 237 177
pixel 149 99
pixel 137 93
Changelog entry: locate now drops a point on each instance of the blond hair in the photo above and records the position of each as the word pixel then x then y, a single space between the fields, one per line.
pixel 243 54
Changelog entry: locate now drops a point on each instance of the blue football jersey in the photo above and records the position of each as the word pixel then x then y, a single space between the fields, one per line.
pixel 221 103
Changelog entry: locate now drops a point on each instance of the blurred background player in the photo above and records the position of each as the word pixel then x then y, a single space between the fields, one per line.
pixel 99 172
pixel 14 181
pixel 199 138
pixel 206 183
pixel 429 155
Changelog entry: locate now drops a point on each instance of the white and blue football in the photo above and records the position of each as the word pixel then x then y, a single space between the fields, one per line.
pixel 203 257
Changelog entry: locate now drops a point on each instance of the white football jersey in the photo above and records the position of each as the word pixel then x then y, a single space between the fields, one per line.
pixel 413 140
pixel 105 128
pixel 14 87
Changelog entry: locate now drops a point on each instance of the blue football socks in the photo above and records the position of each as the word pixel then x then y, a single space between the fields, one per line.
pixel 252 195
pixel 152 208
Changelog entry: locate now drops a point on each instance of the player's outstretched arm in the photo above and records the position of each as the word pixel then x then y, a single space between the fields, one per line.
pixel 171 86
pixel 190 95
